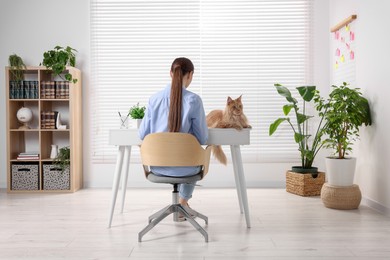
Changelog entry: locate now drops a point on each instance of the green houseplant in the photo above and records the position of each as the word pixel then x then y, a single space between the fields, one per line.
pixel 137 113
pixel 307 147
pixel 62 160
pixel 346 111
pixel 304 180
pixel 17 67
pixel 57 60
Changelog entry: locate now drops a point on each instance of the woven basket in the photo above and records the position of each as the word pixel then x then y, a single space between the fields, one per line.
pixel 337 197
pixel 304 184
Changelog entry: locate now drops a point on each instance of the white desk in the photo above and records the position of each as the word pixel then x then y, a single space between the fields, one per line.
pixel 126 138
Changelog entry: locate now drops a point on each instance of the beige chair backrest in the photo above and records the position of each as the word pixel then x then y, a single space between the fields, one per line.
pixel 174 149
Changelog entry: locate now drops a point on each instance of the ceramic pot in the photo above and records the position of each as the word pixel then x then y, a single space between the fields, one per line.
pixel 340 172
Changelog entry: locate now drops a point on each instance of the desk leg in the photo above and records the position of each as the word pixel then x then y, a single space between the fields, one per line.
pixel 115 184
pixel 239 171
pixel 126 164
pixel 236 178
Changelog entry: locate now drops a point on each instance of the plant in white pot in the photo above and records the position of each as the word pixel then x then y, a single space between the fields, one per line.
pixel 137 113
pixel 346 111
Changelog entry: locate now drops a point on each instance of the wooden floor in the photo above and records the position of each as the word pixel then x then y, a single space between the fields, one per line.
pixel 284 226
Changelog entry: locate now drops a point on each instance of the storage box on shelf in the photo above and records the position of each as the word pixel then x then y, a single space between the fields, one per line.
pixel 56 119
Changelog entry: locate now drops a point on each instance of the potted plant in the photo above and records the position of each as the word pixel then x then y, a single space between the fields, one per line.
pixel 17 67
pixel 303 179
pixel 137 113
pixel 57 60
pixel 346 111
pixel 62 160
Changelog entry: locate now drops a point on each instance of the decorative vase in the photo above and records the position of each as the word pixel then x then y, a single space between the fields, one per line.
pixel 340 172
pixel 54 151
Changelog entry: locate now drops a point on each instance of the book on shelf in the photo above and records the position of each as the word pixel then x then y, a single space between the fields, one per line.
pixel 25 89
pixel 62 89
pixel 49 119
pixel 28 156
pixel 55 89
pixel 30 153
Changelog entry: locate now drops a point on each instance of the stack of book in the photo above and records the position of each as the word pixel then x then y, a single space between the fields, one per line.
pixel 28 156
pixel 54 89
pixel 48 119
pixel 62 89
pixel 24 89
pixel 48 89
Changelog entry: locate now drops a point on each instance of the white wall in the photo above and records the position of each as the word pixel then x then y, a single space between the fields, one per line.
pixel 40 25
pixel 28 29
pixel 372 76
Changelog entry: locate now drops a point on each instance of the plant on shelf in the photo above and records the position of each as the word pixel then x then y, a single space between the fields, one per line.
pixel 346 111
pixel 57 60
pixel 17 67
pixel 137 112
pixel 308 148
pixel 63 158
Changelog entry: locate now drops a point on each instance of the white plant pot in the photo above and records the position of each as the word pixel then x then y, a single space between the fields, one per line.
pixel 135 123
pixel 340 172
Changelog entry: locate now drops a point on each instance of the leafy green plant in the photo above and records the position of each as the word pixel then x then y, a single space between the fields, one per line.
pixel 137 112
pixel 346 110
pixel 308 148
pixel 62 160
pixel 57 60
pixel 17 67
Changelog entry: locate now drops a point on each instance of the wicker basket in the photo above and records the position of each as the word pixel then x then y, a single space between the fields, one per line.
pixel 304 184
pixel 337 197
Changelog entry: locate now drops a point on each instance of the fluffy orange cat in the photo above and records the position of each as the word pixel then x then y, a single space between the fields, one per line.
pixel 232 117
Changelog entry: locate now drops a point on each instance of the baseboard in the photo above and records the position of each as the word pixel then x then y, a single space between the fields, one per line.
pixel 376 206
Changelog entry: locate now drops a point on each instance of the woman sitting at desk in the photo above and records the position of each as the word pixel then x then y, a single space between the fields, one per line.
pixel 175 109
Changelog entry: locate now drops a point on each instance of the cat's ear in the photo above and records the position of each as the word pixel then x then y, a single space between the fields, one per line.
pixel 239 98
pixel 229 100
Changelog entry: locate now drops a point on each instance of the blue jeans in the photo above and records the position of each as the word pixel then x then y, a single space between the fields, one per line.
pixel 186 190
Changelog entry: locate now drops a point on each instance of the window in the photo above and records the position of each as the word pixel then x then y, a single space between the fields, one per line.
pixel 237 47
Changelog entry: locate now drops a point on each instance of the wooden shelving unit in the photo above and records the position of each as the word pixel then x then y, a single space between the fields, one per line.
pixel 38 139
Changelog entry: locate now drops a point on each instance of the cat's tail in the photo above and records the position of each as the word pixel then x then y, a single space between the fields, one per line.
pixel 219 154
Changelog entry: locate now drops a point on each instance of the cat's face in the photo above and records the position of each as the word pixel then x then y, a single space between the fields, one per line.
pixel 234 106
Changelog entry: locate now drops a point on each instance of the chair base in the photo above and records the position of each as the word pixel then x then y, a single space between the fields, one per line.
pixel 175 209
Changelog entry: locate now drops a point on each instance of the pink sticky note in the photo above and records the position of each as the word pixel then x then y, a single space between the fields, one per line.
pixel 351 36
pixel 342 39
pixel 352 55
pixel 337 52
pixel 336 35
pixel 347 45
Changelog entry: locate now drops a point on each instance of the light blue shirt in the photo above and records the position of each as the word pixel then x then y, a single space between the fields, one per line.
pixel 193 121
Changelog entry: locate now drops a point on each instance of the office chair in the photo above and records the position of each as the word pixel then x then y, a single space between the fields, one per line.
pixel 174 149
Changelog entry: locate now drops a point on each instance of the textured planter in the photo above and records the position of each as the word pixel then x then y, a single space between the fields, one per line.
pixel 337 197
pixel 340 172
pixel 304 184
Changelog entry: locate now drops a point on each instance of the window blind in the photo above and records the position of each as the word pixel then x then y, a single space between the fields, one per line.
pixel 237 47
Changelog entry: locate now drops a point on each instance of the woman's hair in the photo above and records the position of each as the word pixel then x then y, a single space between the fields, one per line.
pixel 180 67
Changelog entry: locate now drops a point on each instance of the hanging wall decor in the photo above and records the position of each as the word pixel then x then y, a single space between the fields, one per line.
pixel 343 44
